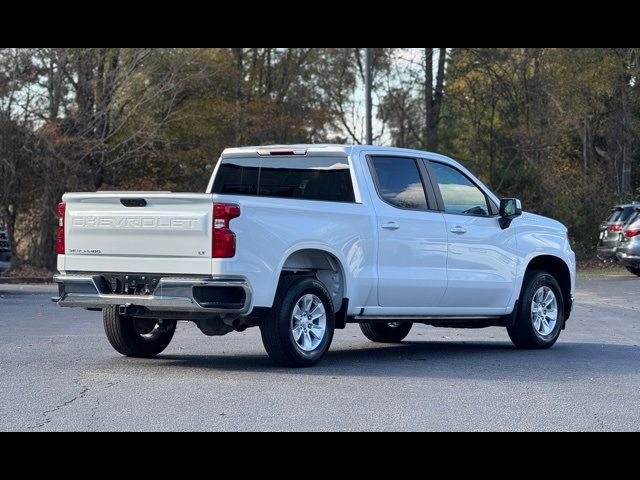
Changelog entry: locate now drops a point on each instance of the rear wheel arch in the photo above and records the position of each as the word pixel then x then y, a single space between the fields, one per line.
pixel 558 269
pixel 322 264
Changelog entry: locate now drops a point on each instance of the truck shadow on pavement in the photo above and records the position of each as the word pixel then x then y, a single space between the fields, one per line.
pixel 463 360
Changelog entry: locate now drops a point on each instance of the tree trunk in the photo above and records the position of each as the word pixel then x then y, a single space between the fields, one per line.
pixel 428 94
pixel 626 189
pixel 239 57
pixel 433 96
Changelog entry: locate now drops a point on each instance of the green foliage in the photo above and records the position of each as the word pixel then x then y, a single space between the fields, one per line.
pixel 559 128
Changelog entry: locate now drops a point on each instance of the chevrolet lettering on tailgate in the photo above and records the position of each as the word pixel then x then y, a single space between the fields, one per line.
pixel 135 222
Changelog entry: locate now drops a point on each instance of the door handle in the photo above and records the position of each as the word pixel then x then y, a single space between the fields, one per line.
pixel 390 226
pixel 459 230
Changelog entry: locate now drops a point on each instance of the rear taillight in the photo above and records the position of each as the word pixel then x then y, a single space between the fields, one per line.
pixel 224 240
pixel 615 228
pixel 62 207
pixel 632 233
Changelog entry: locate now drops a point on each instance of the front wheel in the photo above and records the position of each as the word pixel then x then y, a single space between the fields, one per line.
pixel 393 332
pixel 299 328
pixel 634 270
pixel 540 315
pixel 137 337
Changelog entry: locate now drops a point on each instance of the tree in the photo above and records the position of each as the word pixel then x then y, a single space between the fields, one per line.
pixel 559 128
pixel 433 95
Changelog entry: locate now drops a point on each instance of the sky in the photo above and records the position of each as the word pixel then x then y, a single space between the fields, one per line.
pixel 406 62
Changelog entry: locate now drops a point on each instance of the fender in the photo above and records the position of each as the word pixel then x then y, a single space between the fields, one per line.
pixel 523 267
pixel 346 275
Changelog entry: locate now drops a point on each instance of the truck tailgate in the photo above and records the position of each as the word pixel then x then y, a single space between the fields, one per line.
pixel 138 232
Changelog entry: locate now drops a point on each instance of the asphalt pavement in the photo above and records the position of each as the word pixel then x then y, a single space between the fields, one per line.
pixel 58 372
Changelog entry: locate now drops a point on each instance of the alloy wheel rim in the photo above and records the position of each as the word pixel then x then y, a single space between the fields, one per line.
pixel 308 323
pixel 544 311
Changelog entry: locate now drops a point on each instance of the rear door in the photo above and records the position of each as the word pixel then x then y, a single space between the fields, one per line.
pixel 138 232
pixel 412 240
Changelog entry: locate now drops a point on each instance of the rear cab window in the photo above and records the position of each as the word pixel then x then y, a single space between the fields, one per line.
pixel 301 177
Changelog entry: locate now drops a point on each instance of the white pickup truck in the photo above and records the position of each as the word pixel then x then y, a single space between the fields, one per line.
pixel 301 240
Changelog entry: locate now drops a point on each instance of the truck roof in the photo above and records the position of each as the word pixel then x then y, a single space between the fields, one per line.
pixel 328 149
pixel 310 148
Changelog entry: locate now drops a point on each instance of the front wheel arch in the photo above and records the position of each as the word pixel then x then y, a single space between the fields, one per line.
pixel 558 269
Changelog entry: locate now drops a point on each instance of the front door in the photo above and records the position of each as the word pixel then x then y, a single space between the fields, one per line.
pixel 482 257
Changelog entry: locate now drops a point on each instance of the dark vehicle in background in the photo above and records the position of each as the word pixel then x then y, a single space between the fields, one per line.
pixel 628 252
pixel 5 251
pixel 611 230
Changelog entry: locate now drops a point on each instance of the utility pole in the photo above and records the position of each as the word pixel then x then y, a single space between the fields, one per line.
pixel 367 89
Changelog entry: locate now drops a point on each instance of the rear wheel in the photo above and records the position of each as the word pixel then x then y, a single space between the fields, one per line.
pixel 634 270
pixel 298 330
pixel 540 315
pixel 137 337
pixel 393 332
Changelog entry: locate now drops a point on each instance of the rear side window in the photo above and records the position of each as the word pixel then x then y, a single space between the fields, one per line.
pixel 303 178
pixel 399 182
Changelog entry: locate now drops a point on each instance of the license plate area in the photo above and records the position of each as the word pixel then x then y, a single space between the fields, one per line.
pixel 127 284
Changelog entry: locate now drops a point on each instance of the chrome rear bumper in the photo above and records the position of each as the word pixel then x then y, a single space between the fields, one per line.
pixel 171 295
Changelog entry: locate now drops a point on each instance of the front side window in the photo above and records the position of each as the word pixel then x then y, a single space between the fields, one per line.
pixel 459 194
pixel 301 178
pixel 399 182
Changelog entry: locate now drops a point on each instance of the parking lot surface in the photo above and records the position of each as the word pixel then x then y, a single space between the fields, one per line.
pixel 58 372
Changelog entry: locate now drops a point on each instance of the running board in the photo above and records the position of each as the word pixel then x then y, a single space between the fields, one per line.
pixel 444 322
pixel 411 318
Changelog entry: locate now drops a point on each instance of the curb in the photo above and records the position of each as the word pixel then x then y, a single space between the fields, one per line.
pixel 26 280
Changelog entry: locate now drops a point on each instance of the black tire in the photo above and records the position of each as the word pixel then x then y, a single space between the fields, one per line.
pixel 634 270
pixel 127 335
pixel 276 327
pixel 386 332
pixel 523 334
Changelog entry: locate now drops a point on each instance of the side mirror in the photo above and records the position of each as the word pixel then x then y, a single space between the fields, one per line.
pixel 510 208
